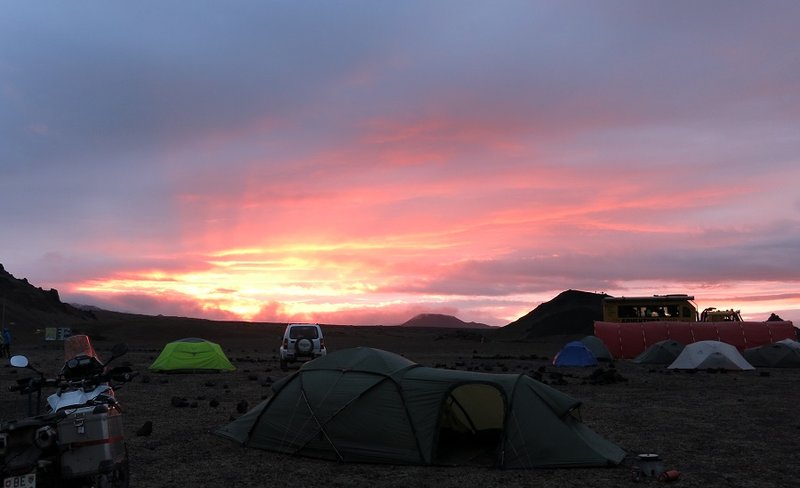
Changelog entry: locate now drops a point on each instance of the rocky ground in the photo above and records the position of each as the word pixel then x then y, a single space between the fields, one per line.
pixel 717 429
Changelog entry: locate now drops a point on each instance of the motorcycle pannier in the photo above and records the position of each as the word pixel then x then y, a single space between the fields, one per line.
pixel 94 438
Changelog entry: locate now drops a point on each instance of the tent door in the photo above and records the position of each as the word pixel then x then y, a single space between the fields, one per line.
pixel 471 426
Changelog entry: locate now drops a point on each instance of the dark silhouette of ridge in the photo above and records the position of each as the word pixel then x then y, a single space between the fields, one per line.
pixel 32 308
pixel 29 307
pixel 572 312
pixel 442 321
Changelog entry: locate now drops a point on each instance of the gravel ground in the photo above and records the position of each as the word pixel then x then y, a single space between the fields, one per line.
pixel 718 429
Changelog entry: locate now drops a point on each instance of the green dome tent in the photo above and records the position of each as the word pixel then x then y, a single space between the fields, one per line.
pixel 662 352
pixel 781 354
pixel 598 348
pixel 191 355
pixel 367 405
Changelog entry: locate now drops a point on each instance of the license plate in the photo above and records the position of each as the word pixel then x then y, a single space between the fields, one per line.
pixel 24 481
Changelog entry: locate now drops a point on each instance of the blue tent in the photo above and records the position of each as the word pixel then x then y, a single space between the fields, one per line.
pixel 575 353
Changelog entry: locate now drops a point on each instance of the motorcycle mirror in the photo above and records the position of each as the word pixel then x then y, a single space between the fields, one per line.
pixel 119 349
pixel 19 361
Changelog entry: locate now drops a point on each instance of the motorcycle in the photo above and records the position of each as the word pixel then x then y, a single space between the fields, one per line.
pixel 77 441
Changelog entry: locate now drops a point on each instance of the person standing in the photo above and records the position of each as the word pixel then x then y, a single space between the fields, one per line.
pixel 6 342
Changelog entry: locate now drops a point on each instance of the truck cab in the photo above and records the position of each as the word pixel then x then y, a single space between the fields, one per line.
pixel 711 314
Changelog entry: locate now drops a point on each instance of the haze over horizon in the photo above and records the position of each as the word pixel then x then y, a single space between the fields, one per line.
pixel 362 162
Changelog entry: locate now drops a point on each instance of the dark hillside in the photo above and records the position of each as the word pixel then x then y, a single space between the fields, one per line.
pixel 28 307
pixel 572 312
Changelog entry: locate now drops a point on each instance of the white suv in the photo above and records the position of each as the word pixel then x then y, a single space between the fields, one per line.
pixel 301 342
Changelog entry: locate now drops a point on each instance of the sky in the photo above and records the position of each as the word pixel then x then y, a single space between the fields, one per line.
pixel 361 162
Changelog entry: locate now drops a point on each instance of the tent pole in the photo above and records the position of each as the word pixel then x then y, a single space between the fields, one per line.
pixel 321 428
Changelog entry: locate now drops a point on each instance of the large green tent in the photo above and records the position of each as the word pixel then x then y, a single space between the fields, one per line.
pixel 369 405
pixel 191 355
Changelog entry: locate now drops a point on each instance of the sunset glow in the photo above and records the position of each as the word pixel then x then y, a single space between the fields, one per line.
pixel 475 161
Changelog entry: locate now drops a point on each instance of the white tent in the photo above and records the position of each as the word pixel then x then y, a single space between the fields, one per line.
pixel 710 354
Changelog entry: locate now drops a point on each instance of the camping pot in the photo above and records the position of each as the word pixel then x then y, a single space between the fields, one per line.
pixel 650 464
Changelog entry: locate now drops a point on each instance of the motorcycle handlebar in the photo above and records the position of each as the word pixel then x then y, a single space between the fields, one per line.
pixel 28 385
pixel 97 379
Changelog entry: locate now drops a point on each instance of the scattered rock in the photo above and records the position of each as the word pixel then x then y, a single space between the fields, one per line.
pixel 179 402
pixel 602 376
pixel 145 430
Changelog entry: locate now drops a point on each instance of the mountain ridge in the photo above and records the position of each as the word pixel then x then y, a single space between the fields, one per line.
pixel 442 321
pixel 571 312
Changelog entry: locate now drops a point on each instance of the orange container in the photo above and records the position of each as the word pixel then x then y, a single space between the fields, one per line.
pixel 670 475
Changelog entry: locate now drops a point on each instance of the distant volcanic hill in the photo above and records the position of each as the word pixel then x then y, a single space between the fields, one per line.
pixel 29 307
pixel 442 321
pixel 572 312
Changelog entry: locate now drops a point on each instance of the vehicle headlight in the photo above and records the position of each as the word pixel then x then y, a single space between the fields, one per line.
pixel 45 436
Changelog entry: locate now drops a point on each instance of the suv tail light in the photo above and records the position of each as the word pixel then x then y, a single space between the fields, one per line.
pixel 286 343
pixel 321 343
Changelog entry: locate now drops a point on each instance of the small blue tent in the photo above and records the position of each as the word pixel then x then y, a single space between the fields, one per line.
pixel 575 353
